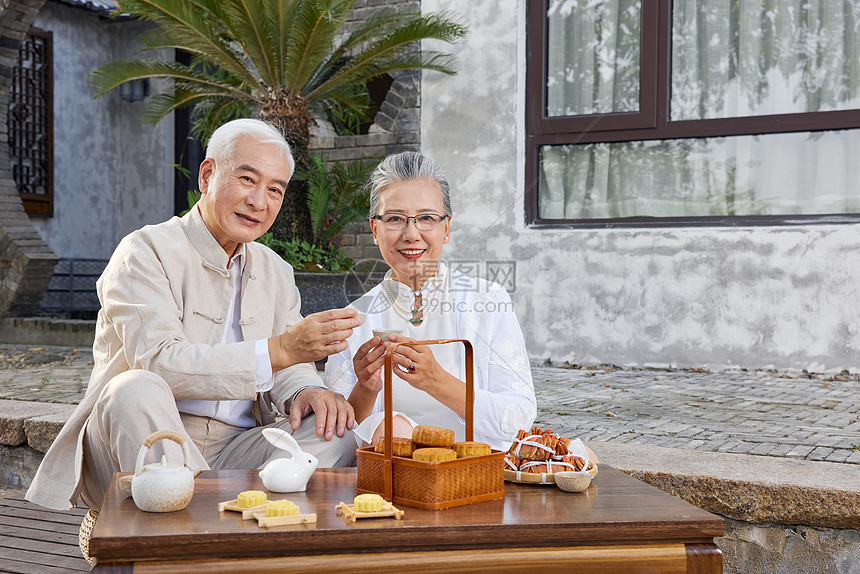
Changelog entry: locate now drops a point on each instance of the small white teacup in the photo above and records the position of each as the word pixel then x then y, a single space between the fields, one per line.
pixel 383 334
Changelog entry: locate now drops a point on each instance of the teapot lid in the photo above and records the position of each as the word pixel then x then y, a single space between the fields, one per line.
pixel 162 465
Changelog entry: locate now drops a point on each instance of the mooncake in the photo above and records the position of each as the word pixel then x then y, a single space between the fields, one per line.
pixel 434 454
pixel 399 446
pixel 426 435
pixel 251 498
pixel 282 508
pixel 368 503
pixel 470 448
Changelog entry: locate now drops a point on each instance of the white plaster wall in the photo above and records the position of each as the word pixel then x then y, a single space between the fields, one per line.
pixel 721 297
pixel 111 174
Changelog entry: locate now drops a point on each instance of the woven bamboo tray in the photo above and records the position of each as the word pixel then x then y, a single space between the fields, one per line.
pixel 430 485
pixel 542 478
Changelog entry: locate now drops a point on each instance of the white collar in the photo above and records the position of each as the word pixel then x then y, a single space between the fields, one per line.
pixel 432 284
pixel 238 257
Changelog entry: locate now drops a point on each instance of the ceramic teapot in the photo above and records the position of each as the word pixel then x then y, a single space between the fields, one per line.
pixel 162 487
pixel 287 474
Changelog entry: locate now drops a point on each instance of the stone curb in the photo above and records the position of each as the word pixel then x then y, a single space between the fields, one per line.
pixel 34 423
pixel 755 489
pixel 41 431
pixel 47 331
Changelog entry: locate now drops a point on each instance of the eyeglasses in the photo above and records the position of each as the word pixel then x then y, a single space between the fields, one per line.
pixel 398 222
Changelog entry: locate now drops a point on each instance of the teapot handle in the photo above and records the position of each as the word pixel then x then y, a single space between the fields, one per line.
pixel 154 438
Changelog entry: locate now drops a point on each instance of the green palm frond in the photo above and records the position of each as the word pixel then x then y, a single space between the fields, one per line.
pixel 156 39
pixel 159 105
pixel 250 23
pixel 318 192
pixel 347 109
pixel 316 25
pixel 350 202
pixel 281 17
pixel 390 42
pixel 370 28
pixel 117 72
pixel 211 112
pixel 335 196
pixel 265 52
pixel 391 52
pixel 196 26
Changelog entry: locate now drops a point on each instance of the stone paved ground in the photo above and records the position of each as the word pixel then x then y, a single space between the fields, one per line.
pixel 44 374
pixel 797 415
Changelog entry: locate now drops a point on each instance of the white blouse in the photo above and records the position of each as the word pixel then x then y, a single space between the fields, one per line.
pixel 457 306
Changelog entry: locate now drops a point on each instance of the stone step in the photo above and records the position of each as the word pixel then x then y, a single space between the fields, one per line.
pixel 27 430
pixel 752 488
pixel 34 424
pixel 47 331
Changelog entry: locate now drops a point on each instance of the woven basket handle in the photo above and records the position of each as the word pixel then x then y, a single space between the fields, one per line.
pixel 388 464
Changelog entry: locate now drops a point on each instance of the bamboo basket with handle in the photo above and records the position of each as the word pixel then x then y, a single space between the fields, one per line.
pixel 430 485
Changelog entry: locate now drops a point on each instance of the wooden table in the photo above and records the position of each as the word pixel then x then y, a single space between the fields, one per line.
pixel 618 525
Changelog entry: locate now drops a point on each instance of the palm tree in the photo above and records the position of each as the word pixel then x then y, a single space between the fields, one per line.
pixel 283 61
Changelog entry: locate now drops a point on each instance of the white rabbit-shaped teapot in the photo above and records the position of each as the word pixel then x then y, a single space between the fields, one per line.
pixel 287 474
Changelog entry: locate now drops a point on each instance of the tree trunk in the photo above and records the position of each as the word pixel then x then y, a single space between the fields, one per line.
pixel 294 219
pixel 291 115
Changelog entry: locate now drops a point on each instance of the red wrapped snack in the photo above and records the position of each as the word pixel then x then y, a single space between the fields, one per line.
pixel 577 462
pixel 546 466
pixel 544 446
pixel 512 462
pixel 536 446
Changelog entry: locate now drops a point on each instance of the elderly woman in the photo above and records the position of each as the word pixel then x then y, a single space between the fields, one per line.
pixel 410 215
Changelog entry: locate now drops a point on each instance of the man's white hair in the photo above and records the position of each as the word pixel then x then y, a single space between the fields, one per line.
pixel 222 144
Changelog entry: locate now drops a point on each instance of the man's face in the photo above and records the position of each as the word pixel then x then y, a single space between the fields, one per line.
pixel 241 195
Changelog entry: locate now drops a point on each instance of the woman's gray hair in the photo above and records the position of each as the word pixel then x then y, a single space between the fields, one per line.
pixel 222 144
pixel 406 166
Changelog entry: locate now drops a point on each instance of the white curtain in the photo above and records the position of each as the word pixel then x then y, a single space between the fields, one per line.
pixel 729 59
pixel 593 57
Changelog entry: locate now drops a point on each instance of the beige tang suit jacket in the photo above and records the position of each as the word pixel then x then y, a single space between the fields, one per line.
pixel 164 298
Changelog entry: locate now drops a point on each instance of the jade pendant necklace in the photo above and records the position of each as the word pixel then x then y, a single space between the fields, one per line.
pixel 415 316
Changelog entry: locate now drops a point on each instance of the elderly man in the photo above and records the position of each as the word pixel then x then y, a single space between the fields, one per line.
pixel 200 333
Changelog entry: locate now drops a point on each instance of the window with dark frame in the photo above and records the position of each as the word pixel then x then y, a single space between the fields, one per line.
pixel 30 123
pixel 692 112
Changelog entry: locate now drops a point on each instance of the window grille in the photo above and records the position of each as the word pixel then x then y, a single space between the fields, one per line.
pixel 31 123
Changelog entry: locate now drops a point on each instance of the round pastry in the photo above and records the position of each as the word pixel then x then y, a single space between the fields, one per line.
pixel 426 435
pixel 251 498
pixel 368 503
pixel 469 448
pixel 399 446
pixel 282 508
pixel 434 454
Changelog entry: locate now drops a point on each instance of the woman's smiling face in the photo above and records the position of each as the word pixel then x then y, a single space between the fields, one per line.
pixel 412 254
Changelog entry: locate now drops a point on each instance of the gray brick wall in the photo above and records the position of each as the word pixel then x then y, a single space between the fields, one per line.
pixel 397 127
pixel 26 262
